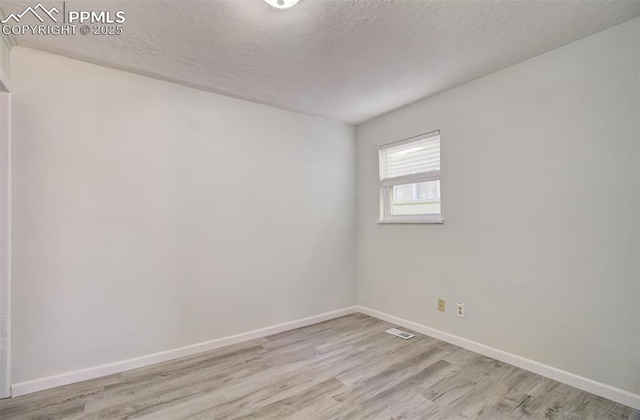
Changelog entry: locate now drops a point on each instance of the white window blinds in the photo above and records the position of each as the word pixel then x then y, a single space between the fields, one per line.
pixel 416 158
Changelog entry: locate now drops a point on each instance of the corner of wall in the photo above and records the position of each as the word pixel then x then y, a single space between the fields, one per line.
pixel 376 292
pixel 637 20
pixel 356 217
pixel 356 168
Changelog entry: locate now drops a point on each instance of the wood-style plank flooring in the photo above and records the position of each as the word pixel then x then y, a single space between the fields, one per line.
pixel 346 368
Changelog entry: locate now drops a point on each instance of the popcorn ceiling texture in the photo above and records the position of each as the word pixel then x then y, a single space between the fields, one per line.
pixel 344 60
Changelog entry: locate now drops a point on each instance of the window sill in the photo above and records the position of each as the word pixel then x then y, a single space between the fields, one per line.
pixel 413 220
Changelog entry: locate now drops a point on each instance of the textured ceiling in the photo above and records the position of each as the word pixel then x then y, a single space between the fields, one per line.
pixel 348 60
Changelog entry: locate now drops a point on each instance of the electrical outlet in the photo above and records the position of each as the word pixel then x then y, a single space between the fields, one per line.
pixel 460 309
pixel 441 305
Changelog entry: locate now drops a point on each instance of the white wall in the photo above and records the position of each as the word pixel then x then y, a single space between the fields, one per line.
pixel 5 244
pixel 540 200
pixel 150 216
pixel 5 218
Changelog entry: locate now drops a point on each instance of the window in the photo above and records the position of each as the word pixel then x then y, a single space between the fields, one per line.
pixel 410 180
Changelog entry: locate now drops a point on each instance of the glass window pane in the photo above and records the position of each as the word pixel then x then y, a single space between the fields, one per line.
pixel 402 193
pixel 416 199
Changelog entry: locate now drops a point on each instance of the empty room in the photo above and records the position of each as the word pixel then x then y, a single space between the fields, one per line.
pixel 320 209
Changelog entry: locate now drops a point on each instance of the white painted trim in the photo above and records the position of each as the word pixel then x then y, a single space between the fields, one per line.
pixel 607 391
pixel 5 242
pixel 585 384
pixel 35 385
pixel 412 220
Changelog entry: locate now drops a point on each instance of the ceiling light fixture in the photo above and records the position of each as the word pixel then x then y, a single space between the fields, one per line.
pixel 282 4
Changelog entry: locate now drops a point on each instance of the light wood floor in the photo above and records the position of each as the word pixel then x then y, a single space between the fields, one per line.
pixel 346 368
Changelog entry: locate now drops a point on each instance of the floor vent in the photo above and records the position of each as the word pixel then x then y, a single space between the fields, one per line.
pixel 400 333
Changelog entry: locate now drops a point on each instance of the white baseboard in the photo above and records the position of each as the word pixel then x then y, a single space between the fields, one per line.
pixel 589 385
pixel 615 394
pixel 35 385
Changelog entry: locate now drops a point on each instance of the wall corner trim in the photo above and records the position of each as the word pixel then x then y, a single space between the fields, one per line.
pixel 598 388
pixel 28 387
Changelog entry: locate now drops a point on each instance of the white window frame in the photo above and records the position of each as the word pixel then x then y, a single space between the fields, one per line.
pixel 386 188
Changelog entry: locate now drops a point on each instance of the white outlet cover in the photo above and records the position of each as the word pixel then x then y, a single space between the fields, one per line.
pixel 460 309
